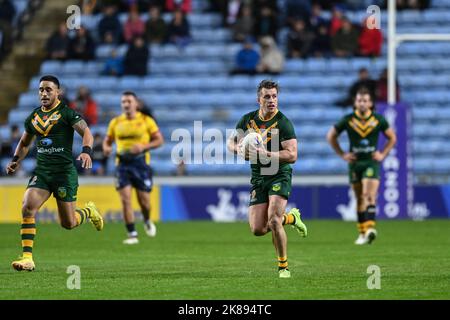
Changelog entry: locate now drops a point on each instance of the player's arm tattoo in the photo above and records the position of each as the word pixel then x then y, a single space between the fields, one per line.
pixel 80 127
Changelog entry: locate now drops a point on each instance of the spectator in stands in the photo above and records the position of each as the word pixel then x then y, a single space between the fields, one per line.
pixel 82 47
pixel 85 105
pixel 134 27
pixel 299 40
pixel 336 20
pixel 155 28
pixel 113 65
pixel 364 81
pixel 99 161
pixel 297 10
pixel 272 59
pixel 232 12
pixel 184 5
pixel 88 7
pixel 63 96
pixel 266 23
pixel 244 25
pixel 247 59
pixel 345 42
pixel 179 30
pixel 322 44
pixel 7 14
pixel 381 91
pixel 136 58
pixel 57 45
pixel 145 109
pixel 370 39
pixel 316 20
pixel 110 24
pixel 412 4
pixel 9 145
pixel 272 4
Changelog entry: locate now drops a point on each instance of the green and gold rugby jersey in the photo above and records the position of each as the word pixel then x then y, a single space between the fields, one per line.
pixel 363 133
pixel 54 136
pixel 253 122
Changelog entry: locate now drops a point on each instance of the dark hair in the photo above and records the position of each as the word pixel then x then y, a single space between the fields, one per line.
pixel 51 79
pixel 267 84
pixel 130 93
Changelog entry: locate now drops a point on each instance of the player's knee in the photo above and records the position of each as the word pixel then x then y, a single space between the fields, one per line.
pixel 258 231
pixel 275 223
pixel 68 225
pixel 368 199
pixel 125 201
pixel 28 211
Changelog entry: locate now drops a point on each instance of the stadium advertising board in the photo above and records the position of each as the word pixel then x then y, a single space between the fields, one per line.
pixel 229 203
pixel 396 194
pixel 104 196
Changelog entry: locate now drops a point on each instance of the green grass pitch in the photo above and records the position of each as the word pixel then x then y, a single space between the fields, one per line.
pixel 205 260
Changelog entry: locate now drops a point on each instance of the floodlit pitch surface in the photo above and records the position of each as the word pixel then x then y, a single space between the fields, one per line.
pixel 205 260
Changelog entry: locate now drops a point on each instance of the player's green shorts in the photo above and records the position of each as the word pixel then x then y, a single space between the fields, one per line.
pixel 363 169
pixel 63 185
pixel 265 186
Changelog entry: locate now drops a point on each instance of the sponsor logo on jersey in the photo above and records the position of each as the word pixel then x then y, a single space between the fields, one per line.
pixel 364 142
pixel 363 149
pixel 46 142
pixel 50 150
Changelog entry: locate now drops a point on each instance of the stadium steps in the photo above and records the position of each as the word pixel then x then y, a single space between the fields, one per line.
pixel 27 55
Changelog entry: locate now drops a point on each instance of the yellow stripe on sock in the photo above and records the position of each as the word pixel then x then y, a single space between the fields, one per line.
pixel 28 231
pixel 27 243
pixel 28 220
pixel 370 224
pixel 27 255
pixel 288 218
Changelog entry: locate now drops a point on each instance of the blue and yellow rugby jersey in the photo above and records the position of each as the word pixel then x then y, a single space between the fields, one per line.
pixel 128 132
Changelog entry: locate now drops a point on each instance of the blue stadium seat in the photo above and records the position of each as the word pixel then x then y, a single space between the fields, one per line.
pixel 51 67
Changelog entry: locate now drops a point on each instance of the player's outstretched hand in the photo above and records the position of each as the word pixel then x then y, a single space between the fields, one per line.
pixel 349 157
pixel 86 161
pixel 12 167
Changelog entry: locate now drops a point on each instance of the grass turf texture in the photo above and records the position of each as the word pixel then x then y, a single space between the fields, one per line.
pixel 205 260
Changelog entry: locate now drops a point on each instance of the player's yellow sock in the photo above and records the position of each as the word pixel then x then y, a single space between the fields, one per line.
pixel 282 263
pixel 82 215
pixel 27 232
pixel 362 219
pixel 288 218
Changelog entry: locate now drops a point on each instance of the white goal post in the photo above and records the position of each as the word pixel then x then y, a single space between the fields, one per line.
pixel 394 40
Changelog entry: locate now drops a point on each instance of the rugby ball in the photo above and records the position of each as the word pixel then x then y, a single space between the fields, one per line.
pixel 251 139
